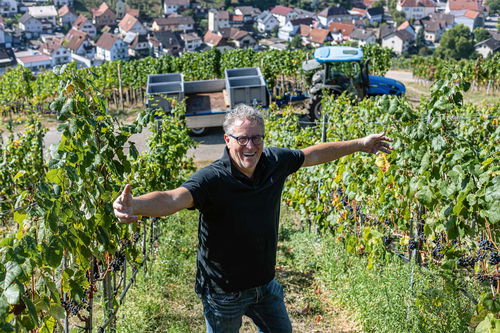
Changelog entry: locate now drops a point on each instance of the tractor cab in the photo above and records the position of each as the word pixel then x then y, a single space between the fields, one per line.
pixel 342 68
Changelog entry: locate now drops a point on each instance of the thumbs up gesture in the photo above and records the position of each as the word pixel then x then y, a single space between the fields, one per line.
pixel 123 206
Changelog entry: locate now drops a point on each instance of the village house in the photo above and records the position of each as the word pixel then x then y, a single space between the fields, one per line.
pixel 357 13
pixel 164 42
pixel 78 43
pixel 459 7
pixel 103 15
pixel 331 14
pixel 408 27
pixel 340 32
pixel 292 27
pixel 240 39
pixel 111 47
pixel 174 6
pixel 236 21
pixel 174 23
pixel 30 26
pixel 47 15
pixel 215 39
pixel 266 22
pixel 317 36
pixel 283 14
pixel 60 3
pixel 191 41
pixel 83 24
pixel 36 63
pixel 375 15
pixel 432 30
pixel 66 15
pixel 249 13
pixel 130 23
pixel 218 19
pixel 7 59
pixel 398 41
pixel 138 44
pixel 471 19
pixel 363 37
pixel 416 9
pixel 53 47
pixel 8 7
pixel 487 47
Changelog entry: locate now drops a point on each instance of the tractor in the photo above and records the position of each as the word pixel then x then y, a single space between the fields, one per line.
pixel 344 69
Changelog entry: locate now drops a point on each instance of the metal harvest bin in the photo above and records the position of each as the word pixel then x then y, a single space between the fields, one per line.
pixel 160 87
pixel 245 85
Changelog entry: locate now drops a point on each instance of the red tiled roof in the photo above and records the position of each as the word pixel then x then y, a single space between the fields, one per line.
pixel 403 25
pixel 318 35
pixel 101 10
pixel 305 30
pixel 212 38
pixel 107 41
pixel 281 10
pixel 472 14
pixel 74 39
pixel 361 12
pixel 344 29
pixel 34 58
pixel 237 18
pixel 64 10
pixel 79 22
pixel 52 45
pixel 464 5
pixel 127 22
pixel 223 15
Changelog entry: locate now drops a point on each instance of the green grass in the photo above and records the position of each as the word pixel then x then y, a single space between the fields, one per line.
pixel 326 288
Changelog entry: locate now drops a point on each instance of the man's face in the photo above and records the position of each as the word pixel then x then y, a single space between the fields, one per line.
pixel 246 157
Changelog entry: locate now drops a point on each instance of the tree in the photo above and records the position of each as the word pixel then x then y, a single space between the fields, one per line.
pixel 296 42
pixel 494 6
pixel 378 3
pixel 456 43
pixel 481 34
pixel 420 39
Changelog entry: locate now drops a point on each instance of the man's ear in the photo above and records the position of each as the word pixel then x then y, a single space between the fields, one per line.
pixel 226 138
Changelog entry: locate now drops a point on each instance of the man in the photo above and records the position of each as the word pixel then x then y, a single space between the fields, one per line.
pixel 238 197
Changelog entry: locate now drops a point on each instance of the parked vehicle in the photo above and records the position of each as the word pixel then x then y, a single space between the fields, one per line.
pixel 344 69
pixel 207 101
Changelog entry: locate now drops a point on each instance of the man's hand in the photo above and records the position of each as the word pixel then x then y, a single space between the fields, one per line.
pixel 376 142
pixel 123 206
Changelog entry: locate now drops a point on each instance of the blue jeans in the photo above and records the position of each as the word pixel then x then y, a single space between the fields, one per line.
pixel 264 305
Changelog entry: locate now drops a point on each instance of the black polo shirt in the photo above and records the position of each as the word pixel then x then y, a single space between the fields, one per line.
pixel 238 224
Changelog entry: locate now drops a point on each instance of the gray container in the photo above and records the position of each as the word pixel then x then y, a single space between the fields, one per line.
pixel 250 90
pixel 163 86
pixel 164 78
pixel 246 71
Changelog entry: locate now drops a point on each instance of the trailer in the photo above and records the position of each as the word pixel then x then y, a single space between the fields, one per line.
pixel 208 101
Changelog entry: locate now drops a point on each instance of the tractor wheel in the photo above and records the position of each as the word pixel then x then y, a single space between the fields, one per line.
pixel 314 107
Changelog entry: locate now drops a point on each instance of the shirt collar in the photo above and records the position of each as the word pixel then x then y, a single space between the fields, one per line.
pixel 228 165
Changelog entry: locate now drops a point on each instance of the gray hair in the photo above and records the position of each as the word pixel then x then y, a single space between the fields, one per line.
pixel 242 111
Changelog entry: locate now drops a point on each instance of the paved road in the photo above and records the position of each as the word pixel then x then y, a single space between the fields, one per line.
pixel 403 76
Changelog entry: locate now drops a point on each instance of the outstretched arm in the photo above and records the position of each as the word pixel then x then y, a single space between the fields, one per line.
pixel 330 151
pixel 164 203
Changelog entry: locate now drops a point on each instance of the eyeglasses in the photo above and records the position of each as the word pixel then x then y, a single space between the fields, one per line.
pixel 243 140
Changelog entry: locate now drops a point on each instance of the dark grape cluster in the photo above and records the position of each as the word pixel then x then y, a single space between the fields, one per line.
pixel 412 244
pixel 436 251
pixel 117 263
pixel 467 261
pixel 485 244
pixel 494 258
pixel 387 240
pixel 387 222
pixel 73 308
pixel 136 237
pixel 421 237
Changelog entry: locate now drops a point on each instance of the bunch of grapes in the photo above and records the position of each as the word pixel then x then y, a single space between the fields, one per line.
pixel 73 308
pixel 412 244
pixel 387 240
pixel 485 244
pixel 494 258
pixel 467 261
pixel 436 251
pixel 117 263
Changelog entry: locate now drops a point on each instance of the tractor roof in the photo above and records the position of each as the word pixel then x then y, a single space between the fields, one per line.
pixel 337 54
